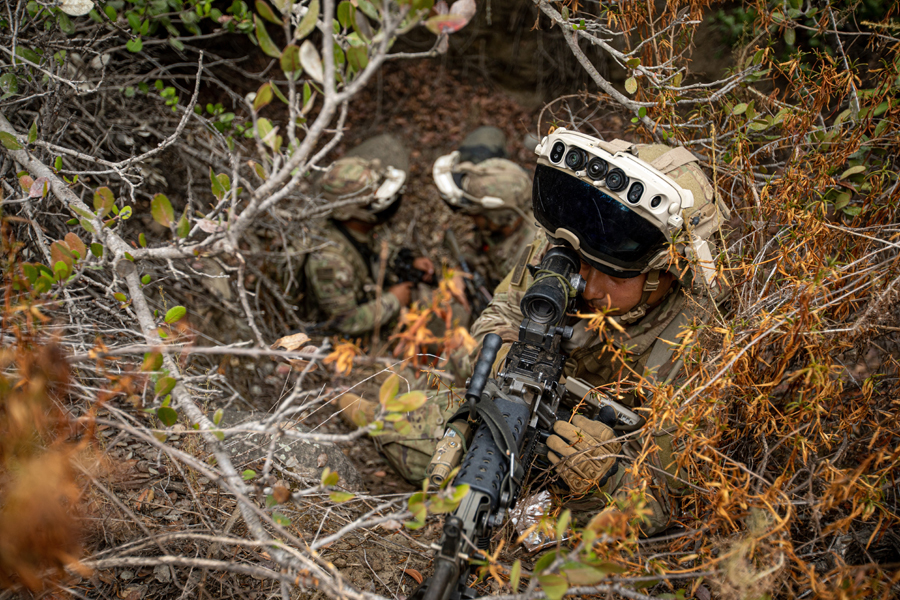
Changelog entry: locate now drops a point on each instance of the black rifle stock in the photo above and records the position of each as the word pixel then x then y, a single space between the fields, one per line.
pixel 513 413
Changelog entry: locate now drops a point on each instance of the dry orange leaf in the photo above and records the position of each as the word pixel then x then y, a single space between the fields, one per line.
pixel 415 575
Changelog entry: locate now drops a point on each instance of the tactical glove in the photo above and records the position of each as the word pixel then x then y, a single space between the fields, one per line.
pixel 582 452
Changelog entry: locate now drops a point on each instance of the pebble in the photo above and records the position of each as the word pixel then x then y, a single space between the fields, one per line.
pixel 126 575
pixel 162 574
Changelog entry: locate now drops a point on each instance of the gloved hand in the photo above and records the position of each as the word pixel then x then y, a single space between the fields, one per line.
pixel 576 452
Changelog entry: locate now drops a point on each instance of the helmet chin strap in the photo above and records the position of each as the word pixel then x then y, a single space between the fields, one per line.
pixel 651 284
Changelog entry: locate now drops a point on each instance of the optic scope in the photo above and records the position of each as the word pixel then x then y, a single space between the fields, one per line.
pixel 547 300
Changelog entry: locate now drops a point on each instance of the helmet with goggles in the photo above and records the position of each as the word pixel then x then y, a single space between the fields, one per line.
pixel 477 179
pixel 376 186
pixel 622 206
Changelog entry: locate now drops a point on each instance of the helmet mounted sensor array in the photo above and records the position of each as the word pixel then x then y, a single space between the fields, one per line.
pixel 616 210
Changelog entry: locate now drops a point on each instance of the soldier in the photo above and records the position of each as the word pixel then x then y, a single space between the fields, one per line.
pixel 478 181
pixel 635 244
pixel 341 278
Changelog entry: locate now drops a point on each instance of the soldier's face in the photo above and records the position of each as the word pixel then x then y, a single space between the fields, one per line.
pixel 616 295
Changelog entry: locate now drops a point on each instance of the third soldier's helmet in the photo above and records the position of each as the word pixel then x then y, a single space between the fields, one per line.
pixel 478 179
pixel 367 183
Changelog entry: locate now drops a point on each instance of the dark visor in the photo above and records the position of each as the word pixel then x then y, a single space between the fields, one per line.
pixel 606 228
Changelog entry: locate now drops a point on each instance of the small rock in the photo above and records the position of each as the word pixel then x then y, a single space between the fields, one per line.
pixel 321 460
pixel 126 575
pixel 162 574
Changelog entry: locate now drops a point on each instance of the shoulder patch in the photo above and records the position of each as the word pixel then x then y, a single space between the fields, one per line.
pixel 325 273
pixel 519 270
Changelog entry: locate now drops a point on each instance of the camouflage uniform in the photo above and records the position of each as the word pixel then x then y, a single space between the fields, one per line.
pixel 589 360
pixel 340 287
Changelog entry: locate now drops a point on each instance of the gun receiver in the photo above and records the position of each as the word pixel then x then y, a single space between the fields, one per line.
pixel 510 412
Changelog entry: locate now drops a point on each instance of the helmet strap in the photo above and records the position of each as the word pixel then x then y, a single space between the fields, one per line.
pixel 651 284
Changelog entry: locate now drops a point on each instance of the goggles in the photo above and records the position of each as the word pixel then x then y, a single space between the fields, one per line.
pixel 444 173
pixel 616 210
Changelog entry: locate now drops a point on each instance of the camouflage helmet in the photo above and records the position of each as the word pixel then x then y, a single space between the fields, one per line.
pixel 376 188
pixel 370 184
pixel 477 179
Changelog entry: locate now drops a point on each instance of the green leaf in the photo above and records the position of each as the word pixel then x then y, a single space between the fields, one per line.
pixel 164 385
pixel 544 561
pixel 152 361
pixel 739 109
pixel 271 501
pixel 32 133
pixel 852 210
pixel 104 200
pixel 389 389
pixel 515 573
pixel 790 36
pixel 403 427
pixel 30 272
pixel 554 586
pixel 346 14
pixel 563 523
pixel 161 209
pixel 633 62
pixel 120 297
pixel 290 61
pixel 142 240
pixel 266 12
pixel 167 415
pixel 58 163
pixel 125 213
pixel 281 519
pixel 145 279
pixel 339 497
pixel 9 141
pixel 308 22
pixel 217 416
pixel 134 45
pixel 265 42
pixel 9 85
pixel 405 403
pixel 279 95
pixel 218 189
pixel 329 477
pixel 61 270
pixel 758 125
pixel 842 200
pixel 175 313
pixel 248 474
pixel 631 85
pixel 263 96
pixel 43 284
pixel 184 227
pixel 357 57
pixel 88 226
pixel 852 171
pixel 96 249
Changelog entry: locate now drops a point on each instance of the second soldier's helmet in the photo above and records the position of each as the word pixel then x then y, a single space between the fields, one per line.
pixel 478 179
pixel 367 183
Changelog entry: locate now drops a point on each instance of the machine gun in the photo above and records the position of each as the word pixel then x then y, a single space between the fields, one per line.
pixel 513 414
pixel 476 288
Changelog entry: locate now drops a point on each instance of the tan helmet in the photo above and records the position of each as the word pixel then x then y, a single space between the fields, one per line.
pixel 624 207
pixel 355 178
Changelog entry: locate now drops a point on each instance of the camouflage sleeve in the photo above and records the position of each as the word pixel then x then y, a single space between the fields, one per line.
pixel 362 319
pixel 336 286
